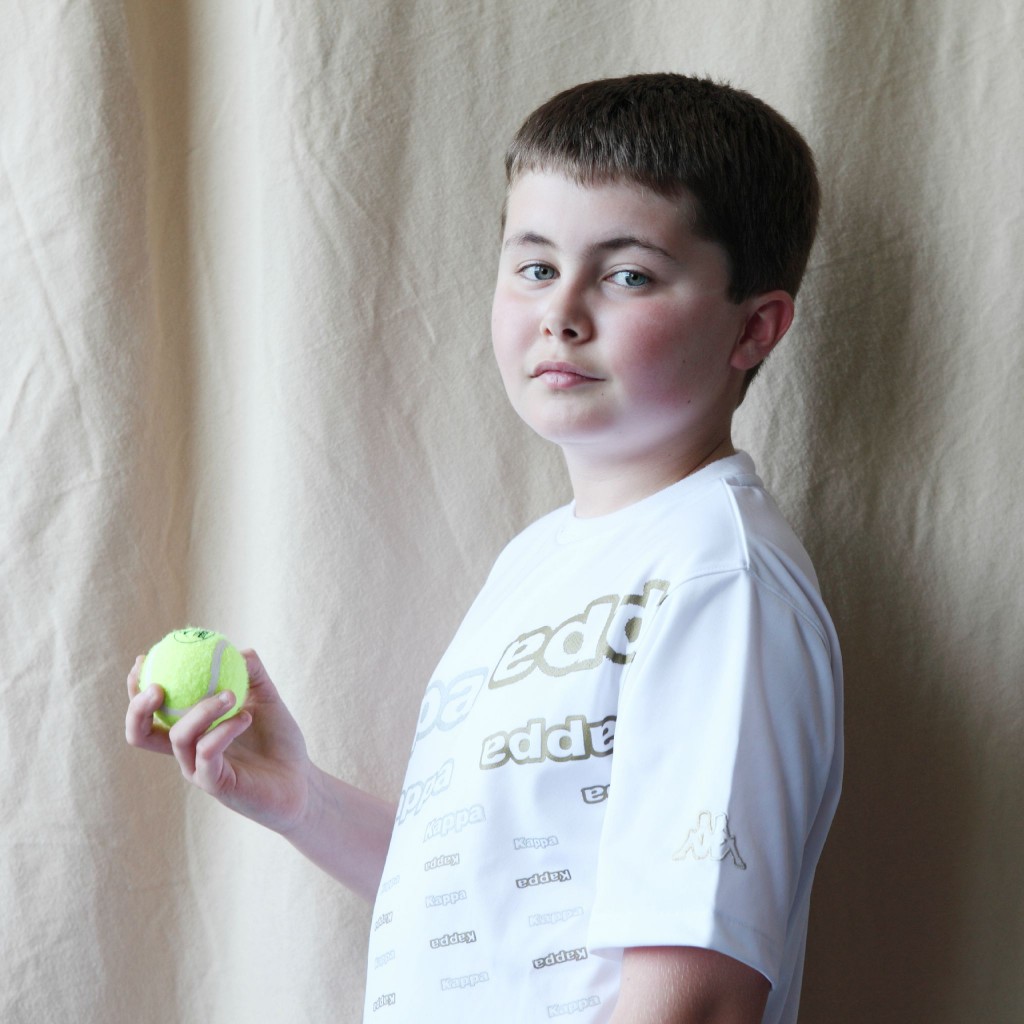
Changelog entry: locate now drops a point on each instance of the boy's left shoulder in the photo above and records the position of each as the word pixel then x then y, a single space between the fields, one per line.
pixel 723 522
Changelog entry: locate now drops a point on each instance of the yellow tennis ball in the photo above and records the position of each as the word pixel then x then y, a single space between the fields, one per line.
pixel 190 665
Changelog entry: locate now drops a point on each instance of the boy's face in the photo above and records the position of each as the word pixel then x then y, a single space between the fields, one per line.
pixel 611 323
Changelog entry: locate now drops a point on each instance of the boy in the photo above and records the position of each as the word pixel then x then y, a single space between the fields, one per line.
pixel 626 764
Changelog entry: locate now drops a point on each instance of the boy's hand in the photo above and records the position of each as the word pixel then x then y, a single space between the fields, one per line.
pixel 254 762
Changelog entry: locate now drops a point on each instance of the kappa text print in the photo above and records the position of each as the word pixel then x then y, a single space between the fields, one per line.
pixel 415 795
pixel 607 630
pixel 446 705
pixel 575 739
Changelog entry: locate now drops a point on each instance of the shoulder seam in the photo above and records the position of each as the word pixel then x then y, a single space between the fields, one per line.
pixel 760 582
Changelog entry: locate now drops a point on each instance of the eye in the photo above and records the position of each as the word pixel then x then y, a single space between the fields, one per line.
pixel 630 278
pixel 538 272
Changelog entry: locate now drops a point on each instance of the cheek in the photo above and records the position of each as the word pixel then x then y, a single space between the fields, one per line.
pixel 503 344
pixel 496 317
pixel 499 326
pixel 652 350
pixel 509 326
pixel 665 362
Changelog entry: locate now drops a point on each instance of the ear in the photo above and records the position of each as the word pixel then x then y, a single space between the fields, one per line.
pixel 768 318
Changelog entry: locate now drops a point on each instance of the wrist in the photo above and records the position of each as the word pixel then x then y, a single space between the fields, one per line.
pixel 308 815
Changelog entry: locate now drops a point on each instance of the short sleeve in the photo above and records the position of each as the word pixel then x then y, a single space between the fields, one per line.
pixel 724 746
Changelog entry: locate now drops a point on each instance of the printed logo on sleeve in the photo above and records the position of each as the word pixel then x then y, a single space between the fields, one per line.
pixel 383 920
pixel 387 1000
pixel 575 739
pixel 384 958
pixel 710 841
pixel 607 630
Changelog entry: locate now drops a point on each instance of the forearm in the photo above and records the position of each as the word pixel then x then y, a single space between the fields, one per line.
pixel 345 831
pixel 686 985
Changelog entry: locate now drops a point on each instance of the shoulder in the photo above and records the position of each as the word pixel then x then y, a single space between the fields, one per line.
pixel 715 535
pixel 720 521
pixel 738 579
pixel 735 530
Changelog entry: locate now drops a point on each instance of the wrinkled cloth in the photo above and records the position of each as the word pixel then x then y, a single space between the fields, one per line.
pixel 246 253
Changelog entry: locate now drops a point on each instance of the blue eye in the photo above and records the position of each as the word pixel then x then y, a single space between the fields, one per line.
pixel 538 272
pixel 630 278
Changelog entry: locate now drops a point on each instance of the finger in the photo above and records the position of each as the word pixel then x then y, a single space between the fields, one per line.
pixel 258 675
pixel 187 731
pixel 261 688
pixel 211 768
pixel 133 676
pixel 139 728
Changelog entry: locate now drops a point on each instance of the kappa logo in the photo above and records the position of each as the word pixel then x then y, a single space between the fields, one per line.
pixel 544 878
pixel 554 916
pixel 442 860
pixel 608 629
pixel 574 740
pixel 446 705
pixel 386 1000
pixel 452 939
pixel 454 821
pixel 444 899
pixel 466 981
pixel 710 841
pixel 576 1006
pixel 414 796
pixel 563 956
pixel 534 842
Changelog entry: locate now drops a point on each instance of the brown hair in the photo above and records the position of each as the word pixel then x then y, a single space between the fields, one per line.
pixel 749 170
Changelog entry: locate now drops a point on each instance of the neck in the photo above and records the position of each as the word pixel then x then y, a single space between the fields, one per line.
pixel 600 487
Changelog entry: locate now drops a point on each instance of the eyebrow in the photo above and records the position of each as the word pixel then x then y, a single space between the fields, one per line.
pixel 606 245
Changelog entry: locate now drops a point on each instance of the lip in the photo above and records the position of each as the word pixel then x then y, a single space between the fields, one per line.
pixel 563 375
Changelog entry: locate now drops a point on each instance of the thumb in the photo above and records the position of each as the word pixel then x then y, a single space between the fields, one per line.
pixel 261 687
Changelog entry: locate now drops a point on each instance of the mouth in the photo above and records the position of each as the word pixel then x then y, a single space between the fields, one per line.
pixel 563 375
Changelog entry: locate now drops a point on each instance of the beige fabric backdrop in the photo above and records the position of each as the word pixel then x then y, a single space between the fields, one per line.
pixel 245 382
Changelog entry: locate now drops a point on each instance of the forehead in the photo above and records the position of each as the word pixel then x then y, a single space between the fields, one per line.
pixel 547 202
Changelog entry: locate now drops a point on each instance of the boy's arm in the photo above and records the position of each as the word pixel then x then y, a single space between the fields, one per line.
pixel 686 985
pixel 256 764
pixel 346 833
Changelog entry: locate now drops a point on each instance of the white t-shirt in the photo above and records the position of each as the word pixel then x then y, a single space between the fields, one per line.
pixel 634 739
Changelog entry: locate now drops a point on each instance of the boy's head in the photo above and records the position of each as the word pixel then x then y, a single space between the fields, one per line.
pixel 748 174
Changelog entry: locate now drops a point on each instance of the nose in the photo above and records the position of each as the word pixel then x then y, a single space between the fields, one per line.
pixel 566 317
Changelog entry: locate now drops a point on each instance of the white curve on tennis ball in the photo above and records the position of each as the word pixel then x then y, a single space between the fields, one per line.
pixel 218 652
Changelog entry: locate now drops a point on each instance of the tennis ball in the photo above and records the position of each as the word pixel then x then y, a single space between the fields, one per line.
pixel 190 665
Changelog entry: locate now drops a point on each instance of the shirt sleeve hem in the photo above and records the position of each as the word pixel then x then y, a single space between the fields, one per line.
pixel 610 935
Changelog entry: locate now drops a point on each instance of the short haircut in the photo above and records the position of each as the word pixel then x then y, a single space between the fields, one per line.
pixel 749 170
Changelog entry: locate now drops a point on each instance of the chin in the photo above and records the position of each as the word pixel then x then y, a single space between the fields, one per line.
pixel 565 431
